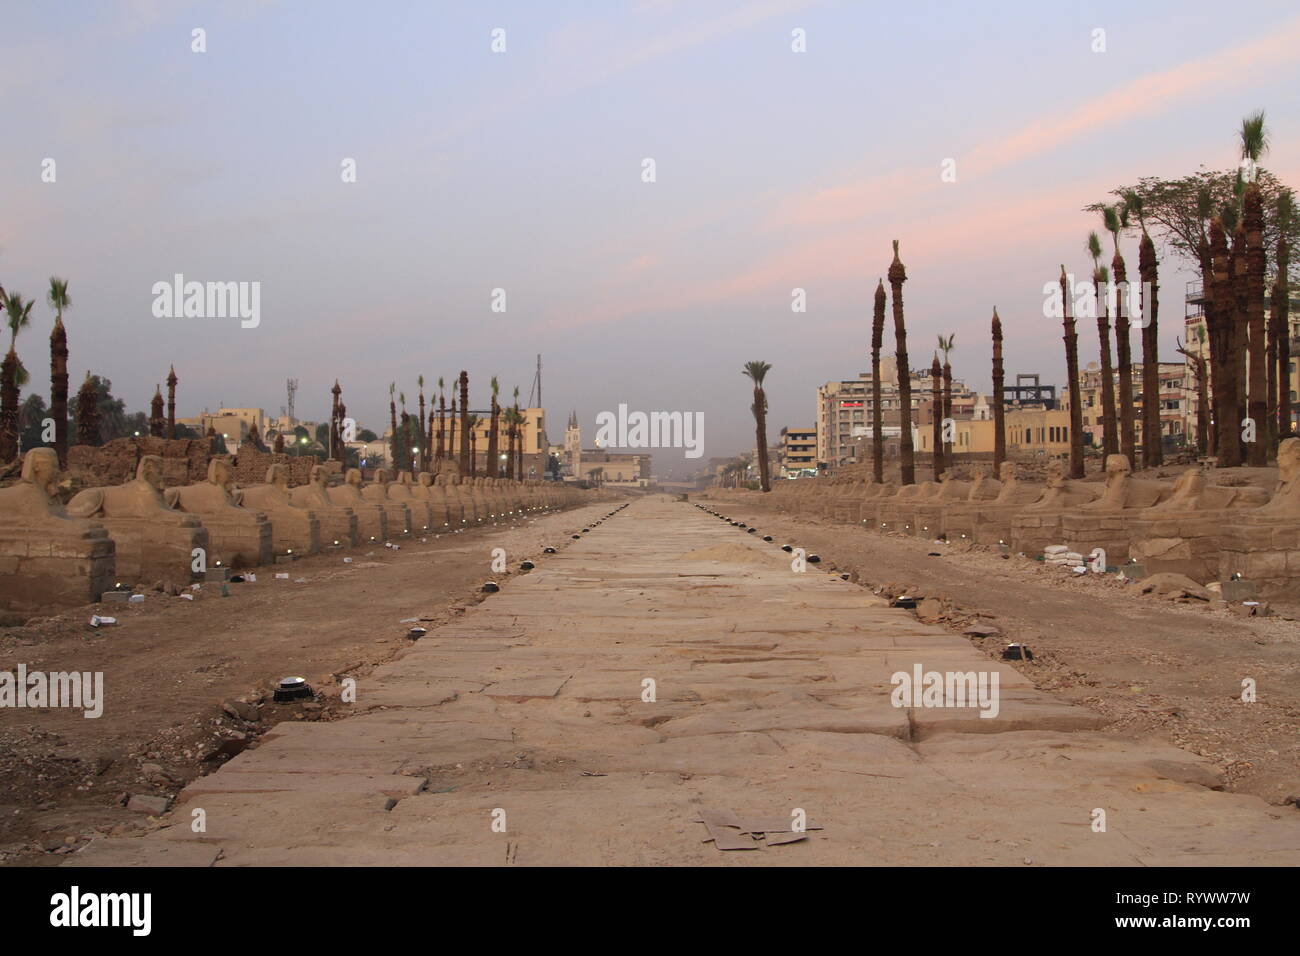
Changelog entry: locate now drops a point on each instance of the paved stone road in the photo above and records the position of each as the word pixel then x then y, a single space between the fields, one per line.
pixel 772 694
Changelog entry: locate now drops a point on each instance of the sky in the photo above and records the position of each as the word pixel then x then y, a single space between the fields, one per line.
pixel 524 170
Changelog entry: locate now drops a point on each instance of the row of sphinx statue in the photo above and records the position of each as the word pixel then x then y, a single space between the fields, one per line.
pixel 1193 525
pixel 143 532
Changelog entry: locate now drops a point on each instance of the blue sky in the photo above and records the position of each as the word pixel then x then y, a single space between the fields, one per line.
pixel 522 170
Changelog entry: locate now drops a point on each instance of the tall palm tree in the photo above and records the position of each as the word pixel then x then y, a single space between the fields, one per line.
pixel 1220 319
pixel 756 372
pixel 1148 269
pixel 424 443
pixel 1202 392
pixel 1100 283
pixel 906 454
pixel 58 299
pixel 442 419
pixel 1071 339
pixel 464 423
pixel 12 375
pixel 509 417
pixel 1254 143
pixel 1279 318
pixel 999 401
pixel 472 423
pixel 493 466
pixel 397 439
pixel 946 345
pixel 88 432
pixel 936 416
pixel 1116 218
pixel 519 437
pixel 877 415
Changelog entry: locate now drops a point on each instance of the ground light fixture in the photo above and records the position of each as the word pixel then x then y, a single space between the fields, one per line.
pixel 290 689
pixel 491 587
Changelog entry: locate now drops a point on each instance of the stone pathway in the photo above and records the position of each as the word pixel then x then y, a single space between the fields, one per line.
pixel 772 695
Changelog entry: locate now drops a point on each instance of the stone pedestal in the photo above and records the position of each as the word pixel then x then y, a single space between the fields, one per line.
pixel 237 537
pixel 48 560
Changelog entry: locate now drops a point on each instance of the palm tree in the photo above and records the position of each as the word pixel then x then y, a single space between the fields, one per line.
pixel 424 444
pixel 1279 318
pixel 509 417
pixel 464 423
pixel 395 443
pixel 1202 393
pixel 493 467
pixel 877 416
pixel 1219 317
pixel 472 423
pixel 88 416
pixel 1254 143
pixel 12 375
pixel 756 372
pixel 58 299
pixel 1100 282
pixel 1148 269
pixel 906 463
pixel 1116 218
pixel 999 401
pixel 1071 339
pixel 946 346
pixel 936 415
pixel 442 419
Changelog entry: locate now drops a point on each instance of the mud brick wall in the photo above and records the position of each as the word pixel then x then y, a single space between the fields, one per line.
pixel 185 460
pixel 251 466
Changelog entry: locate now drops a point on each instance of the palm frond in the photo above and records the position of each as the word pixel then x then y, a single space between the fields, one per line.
pixel 1254 137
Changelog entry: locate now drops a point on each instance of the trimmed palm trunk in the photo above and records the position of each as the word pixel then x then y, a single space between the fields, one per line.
pixel 1203 432
pixel 999 402
pixel 442 422
pixel 1109 419
pixel 424 444
pixel 1152 452
pixel 906 452
pixel 1124 358
pixel 511 437
pixel 1253 219
pixel 877 414
pixel 1071 339
pixel 9 407
pixel 936 413
pixel 395 443
pixel 59 389
pixel 1220 318
pixel 493 466
pixel 464 423
pixel 88 413
pixel 1237 267
pixel 1280 320
pixel 947 403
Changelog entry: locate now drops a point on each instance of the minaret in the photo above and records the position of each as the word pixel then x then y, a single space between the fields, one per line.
pixel 171 403
pixel 573 444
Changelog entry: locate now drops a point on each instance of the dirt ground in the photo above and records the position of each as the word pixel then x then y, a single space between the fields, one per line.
pixel 1152 665
pixel 170 665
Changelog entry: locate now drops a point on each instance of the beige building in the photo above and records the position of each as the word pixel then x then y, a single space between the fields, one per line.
pixel 797 452
pixel 844 410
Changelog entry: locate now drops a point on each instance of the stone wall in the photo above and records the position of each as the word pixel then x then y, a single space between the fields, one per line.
pixel 185 460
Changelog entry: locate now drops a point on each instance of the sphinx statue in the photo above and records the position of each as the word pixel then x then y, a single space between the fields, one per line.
pixel 155 542
pixel 338 523
pixel 984 487
pixel 380 492
pixel 49 559
pixel 372 517
pixel 435 501
pixel 1062 492
pixel 1261 544
pixel 403 489
pixel 458 489
pixel 1123 492
pixel 294 529
pixel 237 537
